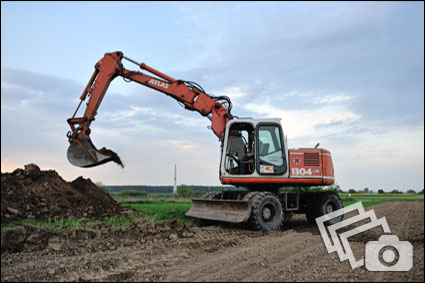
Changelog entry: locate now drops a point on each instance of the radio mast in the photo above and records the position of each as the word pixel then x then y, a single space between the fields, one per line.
pixel 175 179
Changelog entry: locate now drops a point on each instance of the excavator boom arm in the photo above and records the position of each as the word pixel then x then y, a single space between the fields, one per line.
pixel 82 152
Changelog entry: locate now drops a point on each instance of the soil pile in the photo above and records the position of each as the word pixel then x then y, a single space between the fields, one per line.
pixel 32 193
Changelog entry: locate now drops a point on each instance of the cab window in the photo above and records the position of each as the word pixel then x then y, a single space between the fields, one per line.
pixel 271 157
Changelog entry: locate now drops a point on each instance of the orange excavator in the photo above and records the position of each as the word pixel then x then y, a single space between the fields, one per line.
pixel 254 153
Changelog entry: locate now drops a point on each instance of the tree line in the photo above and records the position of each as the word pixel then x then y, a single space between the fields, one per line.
pixel 202 189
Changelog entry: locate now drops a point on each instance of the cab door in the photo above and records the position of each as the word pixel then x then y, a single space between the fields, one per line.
pixel 270 149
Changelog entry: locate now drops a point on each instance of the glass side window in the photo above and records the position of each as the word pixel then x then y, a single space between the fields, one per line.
pixel 271 159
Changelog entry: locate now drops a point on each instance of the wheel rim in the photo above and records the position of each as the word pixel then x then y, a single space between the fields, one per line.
pixel 268 212
pixel 330 207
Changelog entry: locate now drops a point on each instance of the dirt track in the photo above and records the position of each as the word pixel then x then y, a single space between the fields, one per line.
pixel 212 253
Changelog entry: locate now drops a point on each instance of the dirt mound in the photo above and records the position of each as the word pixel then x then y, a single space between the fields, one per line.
pixel 32 193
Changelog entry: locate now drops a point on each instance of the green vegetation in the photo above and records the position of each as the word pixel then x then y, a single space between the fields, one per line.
pixel 184 192
pixel 55 225
pixel 167 206
pixel 163 210
pixel 131 193
pixel 375 199
pixel 51 224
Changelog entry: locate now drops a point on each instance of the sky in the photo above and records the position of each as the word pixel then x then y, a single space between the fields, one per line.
pixel 349 75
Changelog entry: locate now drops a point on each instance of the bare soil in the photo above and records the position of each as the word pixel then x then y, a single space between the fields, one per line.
pixel 32 193
pixel 170 251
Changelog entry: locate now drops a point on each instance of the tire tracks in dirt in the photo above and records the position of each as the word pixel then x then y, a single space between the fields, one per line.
pixel 218 253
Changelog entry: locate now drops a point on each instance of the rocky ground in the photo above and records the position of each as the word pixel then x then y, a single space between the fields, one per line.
pixel 170 251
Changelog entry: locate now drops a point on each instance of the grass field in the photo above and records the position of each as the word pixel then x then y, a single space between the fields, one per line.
pixel 375 199
pixel 169 208
pixel 164 210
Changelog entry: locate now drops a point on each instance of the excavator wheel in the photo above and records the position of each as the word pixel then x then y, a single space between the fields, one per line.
pixel 322 203
pixel 266 211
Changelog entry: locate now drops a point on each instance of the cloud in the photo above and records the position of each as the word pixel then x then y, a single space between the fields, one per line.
pixel 349 75
pixel 372 50
pixel 301 123
pixel 235 93
pixel 33 128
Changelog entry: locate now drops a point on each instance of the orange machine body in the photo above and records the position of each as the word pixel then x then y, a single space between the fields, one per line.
pixel 296 167
pixel 307 167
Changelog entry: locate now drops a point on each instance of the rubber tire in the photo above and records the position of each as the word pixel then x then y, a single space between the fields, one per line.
pixel 317 206
pixel 287 215
pixel 258 202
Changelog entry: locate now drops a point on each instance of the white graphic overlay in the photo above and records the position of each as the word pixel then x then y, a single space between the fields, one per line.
pixel 386 254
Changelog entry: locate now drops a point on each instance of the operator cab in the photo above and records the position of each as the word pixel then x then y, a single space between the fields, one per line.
pixel 254 148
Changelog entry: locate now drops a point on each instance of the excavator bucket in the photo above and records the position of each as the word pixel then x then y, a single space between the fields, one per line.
pixel 234 211
pixel 82 153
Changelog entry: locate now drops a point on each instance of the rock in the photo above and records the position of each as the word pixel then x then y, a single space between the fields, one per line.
pixel 27 181
pixel 147 227
pixel 37 238
pixel 185 255
pixel 85 234
pixel 44 210
pixel 27 237
pixel 12 210
pixel 185 273
pixel 55 246
pixel 173 237
pixel 33 171
pixel 188 235
pixel 94 225
pixel 12 239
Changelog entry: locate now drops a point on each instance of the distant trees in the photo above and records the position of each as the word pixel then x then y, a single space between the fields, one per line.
pixel 184 192
pixel 396 192
pixel 411 191
pixel 352 191
pixel 132 193
pixel 381 191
